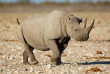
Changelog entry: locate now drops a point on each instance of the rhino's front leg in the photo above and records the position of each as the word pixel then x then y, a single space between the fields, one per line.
pixel 56 53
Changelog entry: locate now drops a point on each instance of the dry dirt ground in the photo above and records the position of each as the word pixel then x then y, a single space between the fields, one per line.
pixel 88 57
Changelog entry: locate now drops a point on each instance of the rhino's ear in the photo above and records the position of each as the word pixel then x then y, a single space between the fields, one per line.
pixel 79 20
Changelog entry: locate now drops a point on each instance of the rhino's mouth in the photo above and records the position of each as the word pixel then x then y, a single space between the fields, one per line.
pixel 82 39
pixel 85 39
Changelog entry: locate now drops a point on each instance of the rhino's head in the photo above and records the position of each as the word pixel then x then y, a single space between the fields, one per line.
pixel 75 31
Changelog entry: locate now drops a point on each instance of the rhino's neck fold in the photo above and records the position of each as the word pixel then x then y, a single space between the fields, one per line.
pixel 64 30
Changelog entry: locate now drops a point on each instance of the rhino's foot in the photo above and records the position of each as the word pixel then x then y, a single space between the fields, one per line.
pixel 26 63
pixel 34 62
pixel 56 61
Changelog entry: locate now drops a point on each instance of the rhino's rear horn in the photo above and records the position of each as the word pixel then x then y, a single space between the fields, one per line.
pixel 85 21
pixel 90 27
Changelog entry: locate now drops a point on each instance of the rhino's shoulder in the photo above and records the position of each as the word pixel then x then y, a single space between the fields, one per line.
pixel 58 13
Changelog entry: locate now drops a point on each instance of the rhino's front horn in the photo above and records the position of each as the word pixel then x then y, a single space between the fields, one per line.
pixel 85 21
pixel 90 27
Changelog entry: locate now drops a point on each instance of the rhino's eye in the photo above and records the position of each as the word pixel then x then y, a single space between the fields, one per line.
pixel 69 18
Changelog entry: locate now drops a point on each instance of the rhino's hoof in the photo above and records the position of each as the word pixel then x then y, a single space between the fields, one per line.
pixel 34 62
pixel 26 63
pixel 56 61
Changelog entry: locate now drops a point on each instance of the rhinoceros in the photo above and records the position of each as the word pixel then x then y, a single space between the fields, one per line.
pixel 51 31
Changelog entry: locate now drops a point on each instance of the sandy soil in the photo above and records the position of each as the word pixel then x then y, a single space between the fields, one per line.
pixel 90 57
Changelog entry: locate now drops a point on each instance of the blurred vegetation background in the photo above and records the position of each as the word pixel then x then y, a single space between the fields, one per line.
pixel 49 5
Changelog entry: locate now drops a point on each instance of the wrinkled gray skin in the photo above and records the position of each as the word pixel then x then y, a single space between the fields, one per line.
pixel 51 31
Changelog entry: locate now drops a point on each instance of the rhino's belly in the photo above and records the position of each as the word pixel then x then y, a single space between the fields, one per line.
pixel 40 47
pixel 37 44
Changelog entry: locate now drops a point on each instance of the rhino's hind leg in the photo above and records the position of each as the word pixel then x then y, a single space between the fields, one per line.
pixel 25 58
pixel 29 52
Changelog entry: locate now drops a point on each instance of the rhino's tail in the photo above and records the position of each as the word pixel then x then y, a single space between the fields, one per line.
pixel 18 21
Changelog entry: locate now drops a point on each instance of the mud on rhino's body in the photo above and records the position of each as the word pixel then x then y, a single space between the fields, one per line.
pixel 50 31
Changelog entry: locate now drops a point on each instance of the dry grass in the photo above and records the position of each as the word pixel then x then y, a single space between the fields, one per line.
pixel 95 69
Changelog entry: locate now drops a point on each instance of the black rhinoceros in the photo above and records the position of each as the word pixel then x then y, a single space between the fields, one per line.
pixel 50 31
